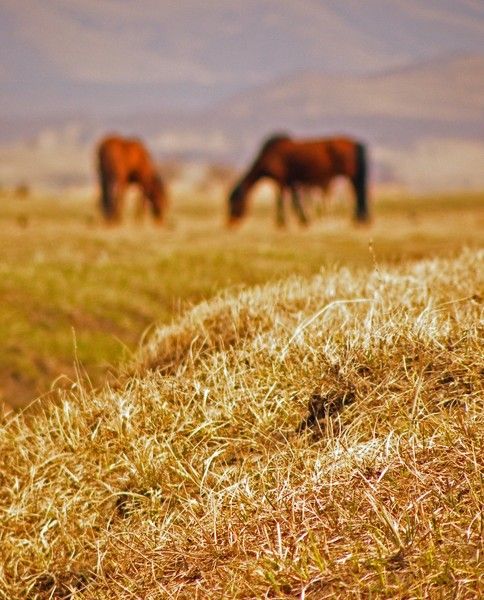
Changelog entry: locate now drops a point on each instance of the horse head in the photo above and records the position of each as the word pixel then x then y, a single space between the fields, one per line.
pixel 156 194
pixel 237 204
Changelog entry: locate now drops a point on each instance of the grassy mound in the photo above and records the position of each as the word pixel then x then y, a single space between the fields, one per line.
pixel 316 439
pixel 72 291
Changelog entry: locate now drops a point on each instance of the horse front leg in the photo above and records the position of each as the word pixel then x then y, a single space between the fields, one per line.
pixel 111 204
pixel 322 204
pixel 298 207
pixel 107 199
pixel 118 200
pixel 280 212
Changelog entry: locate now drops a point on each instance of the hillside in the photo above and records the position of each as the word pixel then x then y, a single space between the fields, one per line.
pixel 396 106
pixel 106 58
pixel 442 96
pixel 426 116
pixel 316 438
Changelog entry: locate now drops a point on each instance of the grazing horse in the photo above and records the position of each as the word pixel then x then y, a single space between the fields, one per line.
pixel 297 163
pixel 122 161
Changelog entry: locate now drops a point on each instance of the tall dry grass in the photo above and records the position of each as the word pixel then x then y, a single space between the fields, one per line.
pixel 317 438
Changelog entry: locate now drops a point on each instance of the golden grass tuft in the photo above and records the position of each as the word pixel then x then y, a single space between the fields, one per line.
pixel 311 439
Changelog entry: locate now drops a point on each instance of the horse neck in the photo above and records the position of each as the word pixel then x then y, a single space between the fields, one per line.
pixel 250 178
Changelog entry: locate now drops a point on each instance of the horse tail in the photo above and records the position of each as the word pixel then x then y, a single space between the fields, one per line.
pixel 361 182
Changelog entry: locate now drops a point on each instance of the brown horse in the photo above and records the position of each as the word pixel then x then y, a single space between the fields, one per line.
pixel 122 161
pixel 297 163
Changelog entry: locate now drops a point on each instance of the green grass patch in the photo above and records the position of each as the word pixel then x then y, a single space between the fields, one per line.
pixel 64 277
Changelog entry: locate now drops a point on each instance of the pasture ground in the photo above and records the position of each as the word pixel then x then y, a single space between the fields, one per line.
pixel 315 438
pixel 76 297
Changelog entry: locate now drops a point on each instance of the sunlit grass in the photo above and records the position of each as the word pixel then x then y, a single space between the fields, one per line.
pixel 315 438
pixel 72 290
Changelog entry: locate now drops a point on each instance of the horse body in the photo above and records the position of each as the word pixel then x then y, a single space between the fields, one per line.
pixel 299 163
pixel 122 161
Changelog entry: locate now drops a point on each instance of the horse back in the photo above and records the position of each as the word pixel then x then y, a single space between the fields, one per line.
pixel 345 154
pixel 318 160
pixel 124 159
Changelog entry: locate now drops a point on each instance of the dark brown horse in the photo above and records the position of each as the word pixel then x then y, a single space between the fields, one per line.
pixel 122 161
pixel 293 164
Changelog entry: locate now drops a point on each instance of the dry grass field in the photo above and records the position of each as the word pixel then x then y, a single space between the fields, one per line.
pixel 313 431
pixel 72 291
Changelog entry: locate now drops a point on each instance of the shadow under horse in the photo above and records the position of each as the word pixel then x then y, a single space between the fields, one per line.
pixel 293 164
pixel 125 161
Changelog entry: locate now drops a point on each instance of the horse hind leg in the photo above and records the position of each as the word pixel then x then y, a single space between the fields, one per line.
pixel 360 184
pixel 140 208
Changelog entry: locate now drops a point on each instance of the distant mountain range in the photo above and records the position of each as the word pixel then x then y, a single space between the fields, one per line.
pixel 122 57
pixel 395 111
pixel 440 97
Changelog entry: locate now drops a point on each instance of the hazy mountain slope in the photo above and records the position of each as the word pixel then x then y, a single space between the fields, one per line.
pixel 105 57
pixel 449 93
pixel 393 111
pixel 444 89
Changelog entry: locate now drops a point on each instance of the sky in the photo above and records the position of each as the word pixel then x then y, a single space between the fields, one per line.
pixel 123 56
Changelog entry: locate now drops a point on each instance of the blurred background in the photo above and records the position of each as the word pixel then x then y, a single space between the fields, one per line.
pixel 202 82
